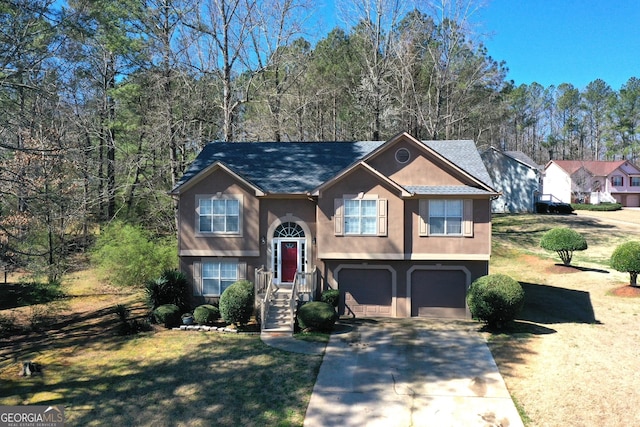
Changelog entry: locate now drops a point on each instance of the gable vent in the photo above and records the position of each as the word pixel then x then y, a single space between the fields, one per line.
pixel 403 155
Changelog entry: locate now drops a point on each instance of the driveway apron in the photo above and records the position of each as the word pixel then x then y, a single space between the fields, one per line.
pixel 409 372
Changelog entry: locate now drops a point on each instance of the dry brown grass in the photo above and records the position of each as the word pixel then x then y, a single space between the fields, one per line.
pixel 572 359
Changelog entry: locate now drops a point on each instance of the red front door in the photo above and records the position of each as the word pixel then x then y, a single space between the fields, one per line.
pixel 289 251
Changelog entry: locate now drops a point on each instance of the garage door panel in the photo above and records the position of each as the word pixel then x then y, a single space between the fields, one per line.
pixel 438 293
pixel 365 293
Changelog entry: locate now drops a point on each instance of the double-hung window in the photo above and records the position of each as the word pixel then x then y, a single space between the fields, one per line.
pixel 218 276
pixel 617 181
pixel 635 181
pixel 445 217
pixel 219 215
pixel 360 216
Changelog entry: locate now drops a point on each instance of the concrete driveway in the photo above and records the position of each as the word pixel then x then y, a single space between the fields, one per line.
pixel 409 372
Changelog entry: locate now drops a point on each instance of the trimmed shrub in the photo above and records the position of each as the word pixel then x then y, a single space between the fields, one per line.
pixel 168 315
pixel 172 287
pixel 206 314
pixel 237 302
pixel 317 316
pixel 495 299
pixel 626 258
pixel 564 241
pixel 331 296
pixel 606 207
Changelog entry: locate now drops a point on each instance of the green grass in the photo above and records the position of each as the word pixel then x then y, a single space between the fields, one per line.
pixel 162 377
pixel 172 378
pixel 515 235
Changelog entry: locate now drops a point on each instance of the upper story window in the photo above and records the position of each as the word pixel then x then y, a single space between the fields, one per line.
pixel 635 181
pixel 219 214
pixel 361 216
pixel 445 217
pixel 617 181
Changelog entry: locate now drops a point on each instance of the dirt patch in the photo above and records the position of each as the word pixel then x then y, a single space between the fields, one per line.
pixel 626 291
pixel 561 269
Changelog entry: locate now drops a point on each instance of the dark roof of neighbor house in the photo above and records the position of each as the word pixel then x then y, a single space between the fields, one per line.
pixel 595 167
pixel 300 167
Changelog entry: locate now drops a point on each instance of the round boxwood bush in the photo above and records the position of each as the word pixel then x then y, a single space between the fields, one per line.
pixel 206 314
pixel 331 296
pixel 168 315
pixel 237 302
pixel 564 241
pixel 626 258
pixel 495 299
pixel 317 316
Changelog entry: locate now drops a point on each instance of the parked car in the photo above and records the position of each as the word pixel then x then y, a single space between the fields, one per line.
pixel 547 206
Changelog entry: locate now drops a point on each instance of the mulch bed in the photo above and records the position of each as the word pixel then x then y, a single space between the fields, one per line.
pixel 626 291
pixel 562 269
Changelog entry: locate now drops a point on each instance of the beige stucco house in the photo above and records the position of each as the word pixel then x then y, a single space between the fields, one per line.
pixel 401 227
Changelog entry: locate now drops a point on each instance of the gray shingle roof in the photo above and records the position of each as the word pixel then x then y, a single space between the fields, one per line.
pixel 446 190
pixel 522 158
pixel 299 167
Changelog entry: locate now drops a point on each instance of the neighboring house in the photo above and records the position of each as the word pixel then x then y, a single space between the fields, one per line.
pixel 593 181
pixel 516 176
pixel 400 227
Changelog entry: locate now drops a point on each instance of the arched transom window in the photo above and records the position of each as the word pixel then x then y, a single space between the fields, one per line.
pixel 289 229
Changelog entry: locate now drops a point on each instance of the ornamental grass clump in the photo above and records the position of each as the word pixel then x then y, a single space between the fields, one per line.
pixel 172 287
pixel 564 241
pixel 495 299
pixel 317 316
pixel 626 258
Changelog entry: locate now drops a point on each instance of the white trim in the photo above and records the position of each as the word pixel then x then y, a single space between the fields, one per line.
pixel 217 253
pixel 405 257
pixel 300 261
pixel 462 268
pixel 271 242
pixel 334 283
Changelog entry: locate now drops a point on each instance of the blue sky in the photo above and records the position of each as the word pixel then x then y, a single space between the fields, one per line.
pixel 559 41
pixel 565 41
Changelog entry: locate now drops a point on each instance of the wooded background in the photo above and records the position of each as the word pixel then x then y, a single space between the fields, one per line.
pixel 103 103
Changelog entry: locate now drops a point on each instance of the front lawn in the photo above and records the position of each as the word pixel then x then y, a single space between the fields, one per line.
pixel 163 377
